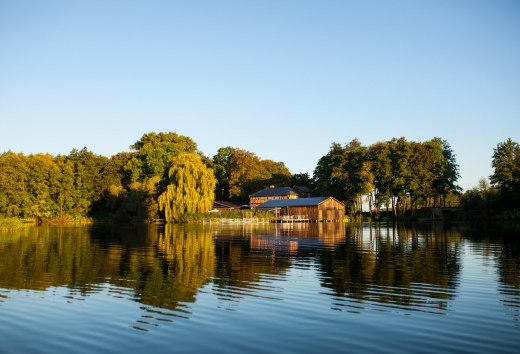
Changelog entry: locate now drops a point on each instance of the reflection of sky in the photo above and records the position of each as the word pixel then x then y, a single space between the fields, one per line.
pixel 290 311
pixel 284 305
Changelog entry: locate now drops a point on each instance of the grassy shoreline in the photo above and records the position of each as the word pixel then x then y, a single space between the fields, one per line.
pixel 10 224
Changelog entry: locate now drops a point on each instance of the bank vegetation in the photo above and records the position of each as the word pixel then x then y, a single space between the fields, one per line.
pixel 165 177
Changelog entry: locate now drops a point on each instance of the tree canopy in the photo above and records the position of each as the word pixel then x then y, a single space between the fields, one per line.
pixel 165 174
pixel 506 174
pixel 244 173
pixel 396 172
pixel 190 190
pixel 156 150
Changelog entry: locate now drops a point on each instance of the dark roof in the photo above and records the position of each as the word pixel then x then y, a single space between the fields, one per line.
pixel 280 203
pixel 304 189
pixel 223 205
pixel 269 192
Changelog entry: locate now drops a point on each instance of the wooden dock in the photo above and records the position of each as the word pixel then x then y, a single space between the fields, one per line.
pixel 292 218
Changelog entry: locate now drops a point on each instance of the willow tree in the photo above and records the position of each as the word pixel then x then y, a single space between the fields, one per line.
pixel 190 190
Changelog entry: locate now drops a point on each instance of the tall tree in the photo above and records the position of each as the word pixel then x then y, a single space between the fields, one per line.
pixel 345 173
pixel 400 154
pixel 190 190
pixel 247 174
pixel 419 181
pixel 276 173
pixel 155 151
pixel 446 170
pixel 221 164
pixel 302 179
pixel 329 174
pixel 88 179
pixel 14 198
pixel 41 179
pixel 359 178
pixel 63 191
pixel 506 174
pixel 379 157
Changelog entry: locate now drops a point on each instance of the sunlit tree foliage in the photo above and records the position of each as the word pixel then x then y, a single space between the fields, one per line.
pixel 14 199
pixel 248 173
pixel 190 190
pixel 156 150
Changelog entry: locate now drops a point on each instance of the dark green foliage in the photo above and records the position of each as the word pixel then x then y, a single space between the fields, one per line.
pixel 396 173
pixel 302 179
pixel 501 200
pixel 88 169
pixel 221 166
pixel 506 175
pixel 481 202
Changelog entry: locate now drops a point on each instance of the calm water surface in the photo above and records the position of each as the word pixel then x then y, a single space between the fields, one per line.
pixel 311 288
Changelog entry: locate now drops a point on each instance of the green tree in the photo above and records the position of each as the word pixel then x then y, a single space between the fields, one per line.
pixel 345 173
pixel 62 191
pixel 88 180
pixel 446 170
pixel 400 160
pixel 506 174
pixel 138 202
pixel 246 174
pixel 481 202
pixel 155 152
pixel 41 178
pixel 379 157
pixel 419 181
pixel 115 172
pixel 302 179
pixel 221 164
pixel 14 197
pixel 190 190
pixel 359 178
pixel 276 173
pixel 329 174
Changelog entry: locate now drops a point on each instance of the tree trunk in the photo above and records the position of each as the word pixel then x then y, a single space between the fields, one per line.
pixel 393 206
pixel 370 203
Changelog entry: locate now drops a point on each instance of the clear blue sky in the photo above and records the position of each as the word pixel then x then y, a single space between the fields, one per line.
pixel 283 79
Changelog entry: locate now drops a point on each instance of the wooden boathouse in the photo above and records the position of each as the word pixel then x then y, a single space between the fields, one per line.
pixel 306 209
pixel 271 193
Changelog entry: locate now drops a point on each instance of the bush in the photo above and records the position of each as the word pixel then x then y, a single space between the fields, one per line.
pixel 8 224
pixel 225 214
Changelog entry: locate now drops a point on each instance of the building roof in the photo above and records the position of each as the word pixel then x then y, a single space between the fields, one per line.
pixel 304 189
pixel 280 203
pixel 269 192
pixel 219 204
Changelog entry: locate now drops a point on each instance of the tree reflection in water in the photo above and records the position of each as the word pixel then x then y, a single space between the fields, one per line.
pixel 376 267
pixel 411 269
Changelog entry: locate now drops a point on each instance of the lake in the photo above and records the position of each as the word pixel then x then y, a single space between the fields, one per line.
pixel 291 288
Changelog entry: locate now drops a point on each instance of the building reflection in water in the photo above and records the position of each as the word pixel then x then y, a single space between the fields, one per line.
pixel 369 267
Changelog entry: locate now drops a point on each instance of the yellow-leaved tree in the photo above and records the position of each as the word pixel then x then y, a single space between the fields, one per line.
pixel 190 190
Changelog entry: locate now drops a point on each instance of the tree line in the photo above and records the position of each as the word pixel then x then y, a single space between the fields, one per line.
pixel 399 174
pixel 164 175
pixel 498 197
